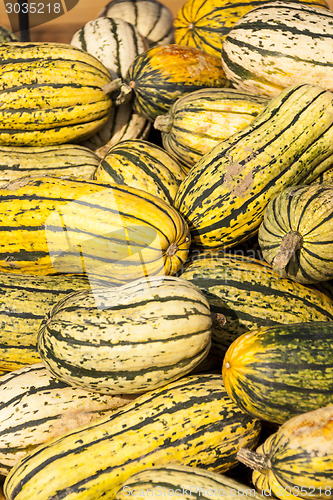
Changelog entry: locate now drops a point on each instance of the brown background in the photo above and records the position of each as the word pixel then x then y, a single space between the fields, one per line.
pixel 63 28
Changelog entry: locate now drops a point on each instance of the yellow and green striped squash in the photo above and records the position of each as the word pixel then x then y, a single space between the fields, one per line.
pixel 248 294
pixel 24 302
pixel 36 407
pixel 224 195
pixel 191 421
pixel 63 160
pixel 277 372
pixel 51 93
pixel 280 44
pixel 205 25
pixel 295 236
pixel 127 339
pixel 160 75
pixel 119 233
pixel 198 121
pixel 144 165
pixel 296 462
pixel 184 482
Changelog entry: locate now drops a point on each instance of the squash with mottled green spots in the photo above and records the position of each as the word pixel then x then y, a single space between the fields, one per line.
pixel 191 421
pixel 296 462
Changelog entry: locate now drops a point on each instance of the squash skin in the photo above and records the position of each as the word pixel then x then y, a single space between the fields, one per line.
pixel 36 407
pixel 201 119
pixel 295 235
pixel 271 371
pixel 297 460
pixel 205 25
pixel 280 44
pixel 153 19
pixel 248 294
pixel 143 165
pixel 63 160
pixel 191 421
pixel 115 43
pixel 24 302
pixel 224 196
pixel 51 93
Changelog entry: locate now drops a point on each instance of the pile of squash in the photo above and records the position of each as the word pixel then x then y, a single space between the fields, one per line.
pixel 166 255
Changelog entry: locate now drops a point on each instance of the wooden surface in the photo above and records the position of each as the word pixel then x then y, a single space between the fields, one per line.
pixel 63 28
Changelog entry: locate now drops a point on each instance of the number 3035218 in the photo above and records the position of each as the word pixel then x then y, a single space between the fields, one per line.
pixel 33 8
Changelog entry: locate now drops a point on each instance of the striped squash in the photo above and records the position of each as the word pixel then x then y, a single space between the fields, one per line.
pixel 24 302
pixel 296 462
pixel 198 121
pixel 127 339
pixel 153 19
pixel 160 75
pixel 184 482
pixel 295 236
pixel 274 373
pixel 144 165
pixel 115 43
pixel 52 225
pixel 205 25
pixel 191 421
pixel 224 196
pixel 280 44
pixel 120 126
pixel 63 160
pixel 36 407
pixel 51 93
pixel 248 294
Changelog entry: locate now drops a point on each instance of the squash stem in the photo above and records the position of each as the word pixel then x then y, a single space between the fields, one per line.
pixel 124 91
pixel 163 123
pixel 253 460
pixel 291 242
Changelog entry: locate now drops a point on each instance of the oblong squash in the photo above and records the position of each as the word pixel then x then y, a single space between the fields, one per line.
pixel 143 165
pixel 191 421
pixel 52 225
pixel 296 461
pixel 295 236
pixel 127 339
pixel 36 407
pixel 198 121
pixel 275 373
pixel 224 196
pixel 279 44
